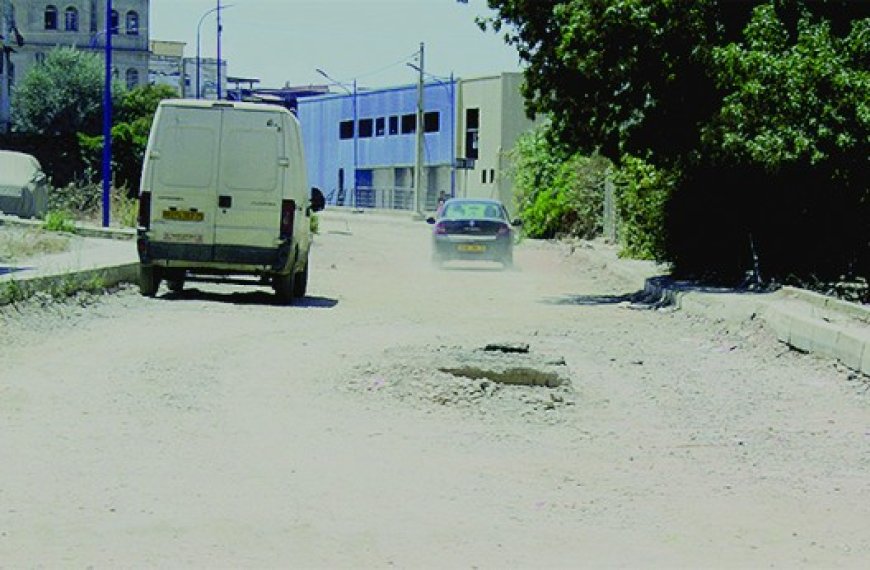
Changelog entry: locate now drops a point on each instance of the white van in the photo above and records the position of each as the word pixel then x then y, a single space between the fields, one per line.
pixel 224 192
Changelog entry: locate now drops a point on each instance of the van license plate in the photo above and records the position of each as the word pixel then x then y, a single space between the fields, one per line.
pixel 471 248
pixel 183 215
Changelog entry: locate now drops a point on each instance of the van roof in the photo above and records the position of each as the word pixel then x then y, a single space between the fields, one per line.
pixel 208 104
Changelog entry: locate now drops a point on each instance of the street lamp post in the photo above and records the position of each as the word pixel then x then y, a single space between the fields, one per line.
pixel 353 95
pixel 219 30
pixel 107 123
pixel 198 58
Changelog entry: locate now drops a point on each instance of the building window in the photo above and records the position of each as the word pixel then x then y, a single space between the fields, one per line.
pixel 50 18
pixel 132 78
pixel 114 23
pixel 39 57
pixel 345 130
pixel 472 126
pixel 93 16
pixel 71 20
pixel 132 23
pixel 431 122
pixel 483 176
pixel 380 126
pixel 409 124
pixel 366 127
pixel 492 175
pixel 394 125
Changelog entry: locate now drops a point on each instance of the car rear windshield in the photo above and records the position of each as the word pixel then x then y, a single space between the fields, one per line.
pixel 473 210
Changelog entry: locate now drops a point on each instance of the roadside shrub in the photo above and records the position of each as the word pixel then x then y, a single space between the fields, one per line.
pixel 84 202
pixel 59 221
pixel 558 195
pixel 642 194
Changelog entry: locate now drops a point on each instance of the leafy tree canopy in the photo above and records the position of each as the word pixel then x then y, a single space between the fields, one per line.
pixel 60 96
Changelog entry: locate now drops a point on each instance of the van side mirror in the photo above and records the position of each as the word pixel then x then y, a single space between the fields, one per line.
pixel 517 222
pixel 430 220
pixel 318 201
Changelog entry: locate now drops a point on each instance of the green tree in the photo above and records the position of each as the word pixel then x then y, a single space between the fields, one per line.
pixel 756 111
pixel 60 96
pixel 132 125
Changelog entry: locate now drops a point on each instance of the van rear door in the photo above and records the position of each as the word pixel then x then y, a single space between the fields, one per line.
pixel 182 175
pixel 251 180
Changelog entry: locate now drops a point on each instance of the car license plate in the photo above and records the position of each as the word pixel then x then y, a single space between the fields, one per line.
pixel 183 215
pixel 471 248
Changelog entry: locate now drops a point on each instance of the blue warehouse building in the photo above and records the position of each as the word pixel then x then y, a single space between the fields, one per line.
pixel 361 145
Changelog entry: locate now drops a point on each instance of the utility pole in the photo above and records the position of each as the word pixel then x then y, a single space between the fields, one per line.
pixel 5 112
pixel 418 168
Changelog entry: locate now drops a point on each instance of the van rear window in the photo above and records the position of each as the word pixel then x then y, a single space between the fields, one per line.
pixel 187 157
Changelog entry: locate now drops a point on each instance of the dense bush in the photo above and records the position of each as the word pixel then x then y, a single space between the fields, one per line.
pixel 642 194
pixel 557 195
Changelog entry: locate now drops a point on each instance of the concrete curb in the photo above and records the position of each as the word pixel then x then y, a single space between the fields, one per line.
pixel 804 320
pixel 68 282
pixel 83 230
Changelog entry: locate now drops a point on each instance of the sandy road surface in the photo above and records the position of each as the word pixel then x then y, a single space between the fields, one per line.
pixel 216 429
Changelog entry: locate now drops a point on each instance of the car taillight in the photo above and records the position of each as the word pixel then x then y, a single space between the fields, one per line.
pixel 145 210
pixel 441 228
pixel 288 213
pixel 504 230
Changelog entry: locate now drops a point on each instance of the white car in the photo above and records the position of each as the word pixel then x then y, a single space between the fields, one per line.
pixel 23 185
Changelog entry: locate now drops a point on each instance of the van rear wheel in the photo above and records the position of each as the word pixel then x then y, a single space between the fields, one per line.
pixel 149 280
pixel 284 286
pixel 300 283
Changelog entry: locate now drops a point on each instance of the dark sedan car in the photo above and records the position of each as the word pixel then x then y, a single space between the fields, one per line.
pixel 473 229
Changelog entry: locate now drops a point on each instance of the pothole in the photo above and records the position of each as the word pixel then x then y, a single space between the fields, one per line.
pixel 511 376
pixel 510 380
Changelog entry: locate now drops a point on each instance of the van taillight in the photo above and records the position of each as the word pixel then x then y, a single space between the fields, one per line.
pixel 145 210
pixel 288 212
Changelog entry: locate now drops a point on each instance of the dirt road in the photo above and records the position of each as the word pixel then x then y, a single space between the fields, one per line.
pixel 214 428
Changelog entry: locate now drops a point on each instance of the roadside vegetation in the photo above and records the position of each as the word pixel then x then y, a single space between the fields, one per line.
pixel 732 131
pixel 18 243
pixel 58 118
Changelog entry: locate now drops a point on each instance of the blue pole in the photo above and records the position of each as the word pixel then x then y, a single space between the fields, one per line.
pixel 107 122
pixel 219 49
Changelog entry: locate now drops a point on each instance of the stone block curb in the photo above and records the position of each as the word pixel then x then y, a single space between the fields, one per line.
pixel 69 281
pixel 84 230
pixel 830 327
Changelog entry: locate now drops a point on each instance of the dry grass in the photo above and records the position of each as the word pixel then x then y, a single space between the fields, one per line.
pixel 20 243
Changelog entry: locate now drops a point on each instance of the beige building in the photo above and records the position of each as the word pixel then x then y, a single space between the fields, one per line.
pixel 490 119
pixel 46 24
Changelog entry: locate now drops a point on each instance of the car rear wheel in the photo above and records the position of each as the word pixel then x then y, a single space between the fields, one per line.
pixel 149 280
pixel 508 260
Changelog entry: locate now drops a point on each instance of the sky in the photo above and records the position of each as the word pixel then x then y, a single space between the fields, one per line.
pixel 285 41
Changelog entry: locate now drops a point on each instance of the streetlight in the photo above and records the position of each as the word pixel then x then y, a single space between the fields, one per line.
pixel 451 86
pixel 355 125
pixel 198 28
pixel 107 122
